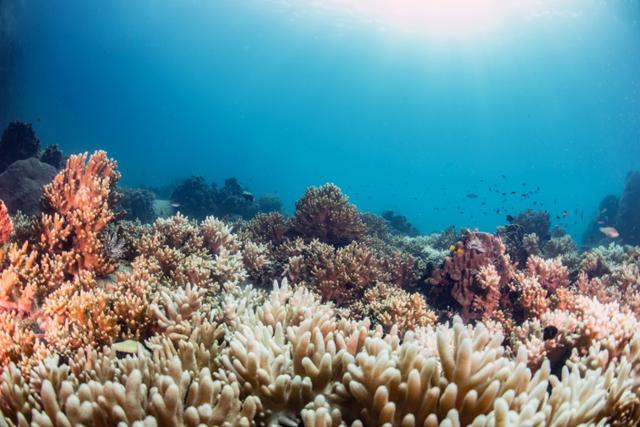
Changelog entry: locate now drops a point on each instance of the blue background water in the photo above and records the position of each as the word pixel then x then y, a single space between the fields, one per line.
pixel 284 95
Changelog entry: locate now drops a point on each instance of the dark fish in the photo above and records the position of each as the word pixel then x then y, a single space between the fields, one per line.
pixel 472 196
pixel 549 332
pixel 510 218
pixel 503 176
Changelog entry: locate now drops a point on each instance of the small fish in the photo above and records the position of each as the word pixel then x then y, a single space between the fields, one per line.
pixel 130 346
pixel 549 332
pixel 472 196
pixel 452 248
pixel 565 214
pixel 247 196
pixel 601 222
pixel 459 251
pixel 175 205
pixel 510 218
pixel 610 232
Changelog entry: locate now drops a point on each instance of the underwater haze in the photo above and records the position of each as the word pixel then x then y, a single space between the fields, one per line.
pixel 439 116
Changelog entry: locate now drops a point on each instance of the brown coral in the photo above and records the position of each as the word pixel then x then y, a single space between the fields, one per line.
pixel 324 213
pixel 465 277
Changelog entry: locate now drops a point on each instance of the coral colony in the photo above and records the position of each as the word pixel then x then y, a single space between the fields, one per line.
pixel 325 318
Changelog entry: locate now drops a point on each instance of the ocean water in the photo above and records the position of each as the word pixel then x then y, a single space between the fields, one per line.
pixel 404 107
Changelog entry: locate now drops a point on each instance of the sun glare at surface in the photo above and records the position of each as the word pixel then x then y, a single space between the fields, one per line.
pixel 442 19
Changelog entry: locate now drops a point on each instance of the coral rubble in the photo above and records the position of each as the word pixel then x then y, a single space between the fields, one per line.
pixel 324 319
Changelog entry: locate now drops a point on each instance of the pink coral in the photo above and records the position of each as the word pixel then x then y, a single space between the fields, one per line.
pixel 477 294
pixel 6 227
pixel 550 273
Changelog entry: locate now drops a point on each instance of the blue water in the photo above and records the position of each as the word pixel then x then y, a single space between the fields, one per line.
pixel 287 94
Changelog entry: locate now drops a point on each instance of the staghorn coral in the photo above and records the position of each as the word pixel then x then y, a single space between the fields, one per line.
pixel 324 213
pixel 393 307
pixel 83 197
pixel 292 361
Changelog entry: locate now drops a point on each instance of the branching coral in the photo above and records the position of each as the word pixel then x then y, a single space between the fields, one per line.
pixel 292 361
pixel 83 197
pixel 6 226
pixel 324 213
pixel 393 307
pixel 178 336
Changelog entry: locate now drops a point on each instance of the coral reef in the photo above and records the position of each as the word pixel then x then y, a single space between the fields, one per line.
pixel 106 321
pixel 293 361
pixel 18 142
pixel 21 185
pixel 627 222
pixel 53 155
pixel 324 213
pixel 137 204
pixel 195 198
pixel 619 213
pixel 400 224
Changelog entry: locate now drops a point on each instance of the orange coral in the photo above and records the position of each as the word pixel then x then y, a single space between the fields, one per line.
pixel 22 280
pixel 83 195
pixel 6 227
